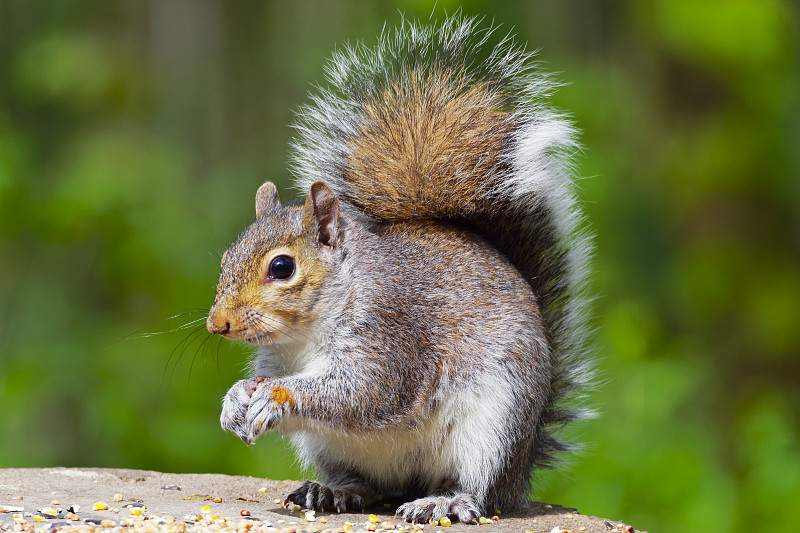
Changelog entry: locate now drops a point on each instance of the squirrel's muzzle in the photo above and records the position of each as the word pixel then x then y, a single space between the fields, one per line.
pixel 218 322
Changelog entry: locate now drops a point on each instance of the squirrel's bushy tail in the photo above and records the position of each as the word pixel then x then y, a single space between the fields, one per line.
pixel 435 123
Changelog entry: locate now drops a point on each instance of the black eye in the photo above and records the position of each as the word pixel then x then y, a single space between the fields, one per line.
pixel 281 267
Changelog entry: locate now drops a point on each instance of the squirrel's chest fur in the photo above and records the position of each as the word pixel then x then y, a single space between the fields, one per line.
pixel 449 320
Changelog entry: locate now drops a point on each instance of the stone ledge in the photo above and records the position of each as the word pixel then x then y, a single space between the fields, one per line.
pixel 186 495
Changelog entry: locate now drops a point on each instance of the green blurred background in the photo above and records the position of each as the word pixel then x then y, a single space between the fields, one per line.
pixel 133 136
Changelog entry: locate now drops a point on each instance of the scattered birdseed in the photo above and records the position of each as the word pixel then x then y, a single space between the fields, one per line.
pixel 445 522
pixel 374 519
pixel 570 517
pixel 117 497
pixel 388 525
pixel 496 518
pixel 245 513
pixel 56 502
pixel 216 499
pixel 294 507
pixel 484 520
pixel 100 506
pixel 262 490
pixel 205 510
pixel 581 528
pixel 276 500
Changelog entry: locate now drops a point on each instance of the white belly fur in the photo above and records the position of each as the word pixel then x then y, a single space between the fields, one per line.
pixel 462 440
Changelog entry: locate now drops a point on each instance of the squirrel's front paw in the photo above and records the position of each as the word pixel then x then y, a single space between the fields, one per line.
pixel 269 403
pixel 236 404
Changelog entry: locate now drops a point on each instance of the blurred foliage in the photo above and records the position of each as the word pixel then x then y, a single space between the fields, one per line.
pixel 133 136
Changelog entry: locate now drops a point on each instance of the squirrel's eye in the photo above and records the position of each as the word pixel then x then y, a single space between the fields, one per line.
pixel 281 267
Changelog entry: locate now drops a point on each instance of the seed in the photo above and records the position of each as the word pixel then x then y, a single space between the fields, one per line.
pixel 216 499
pixel 276 501
pixel 388 525
pixel 100 506
pixel 56 502
pixel 323 521
pixel 495 518
pixel 137 511
pixel 374 519
pixel 107 523
pixel 294 508
pixel 206 509
pixel 570 517
pixel 372 527
pixel 581 528
pixel 444 521
pixel 118 497
pixel 245 513
pixel 262 490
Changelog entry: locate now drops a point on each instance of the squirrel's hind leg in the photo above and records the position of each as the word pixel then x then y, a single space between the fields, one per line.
pixel 460 505
pixel 313 495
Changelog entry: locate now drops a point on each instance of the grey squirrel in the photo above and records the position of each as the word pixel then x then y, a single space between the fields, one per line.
pixel 421 317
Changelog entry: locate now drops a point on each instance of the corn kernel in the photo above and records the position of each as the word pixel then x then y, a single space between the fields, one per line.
pixel 445 522
pixel 39 518
pixel 216 499
pixel 100 506
pixel 374 519
pixel 206 509
pixel 118 497
pixel 294 508
pixel 137 511
pixel 262 490
pixel 323 521
pixel 348 526
pixel 484 520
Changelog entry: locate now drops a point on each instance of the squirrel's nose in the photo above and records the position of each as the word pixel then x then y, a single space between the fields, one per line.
pixel 218 323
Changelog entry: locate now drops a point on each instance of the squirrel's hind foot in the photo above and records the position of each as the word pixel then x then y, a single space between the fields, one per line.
pixel 312 495
pixel 461 506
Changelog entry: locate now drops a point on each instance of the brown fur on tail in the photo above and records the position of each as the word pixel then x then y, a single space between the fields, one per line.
pixel 426 145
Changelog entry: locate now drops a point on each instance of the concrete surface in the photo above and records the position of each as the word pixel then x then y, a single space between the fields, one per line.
pixel 39 500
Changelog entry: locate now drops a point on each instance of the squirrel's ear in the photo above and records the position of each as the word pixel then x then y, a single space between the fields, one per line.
pixel 266 198
pixel 322 211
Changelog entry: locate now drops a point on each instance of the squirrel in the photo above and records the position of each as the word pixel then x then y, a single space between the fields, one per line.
pixel 421 317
